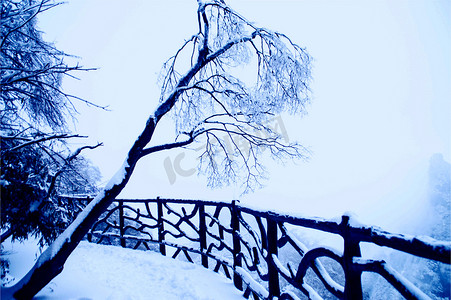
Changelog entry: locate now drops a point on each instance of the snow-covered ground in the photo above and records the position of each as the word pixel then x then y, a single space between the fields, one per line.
pixel 109 272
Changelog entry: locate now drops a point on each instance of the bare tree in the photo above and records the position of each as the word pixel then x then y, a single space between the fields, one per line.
pixel 211 104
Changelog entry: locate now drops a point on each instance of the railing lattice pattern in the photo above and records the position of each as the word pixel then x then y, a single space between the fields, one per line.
pixel 245 244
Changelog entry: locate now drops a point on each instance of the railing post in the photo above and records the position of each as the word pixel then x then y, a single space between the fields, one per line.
pixel 273 274
pixel 160 226
pixel 121 224
pixel 236 245
pixel 89 235
pixel 353 277
pixel 203 234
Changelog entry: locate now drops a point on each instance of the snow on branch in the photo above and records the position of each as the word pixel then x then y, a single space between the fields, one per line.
pixel 39 140
pixel 227 107
pixel 398 281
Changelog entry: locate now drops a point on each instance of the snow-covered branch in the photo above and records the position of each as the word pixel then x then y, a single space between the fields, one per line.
pixel 40 140
pixel 168 146
pixel 67 163
pixel 208 99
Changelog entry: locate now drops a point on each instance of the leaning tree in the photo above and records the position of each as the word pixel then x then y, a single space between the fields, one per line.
pixel 213 102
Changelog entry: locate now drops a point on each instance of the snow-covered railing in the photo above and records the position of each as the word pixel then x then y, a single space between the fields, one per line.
pixel 246 245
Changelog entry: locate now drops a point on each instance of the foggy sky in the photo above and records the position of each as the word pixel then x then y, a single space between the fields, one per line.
pixel 381 100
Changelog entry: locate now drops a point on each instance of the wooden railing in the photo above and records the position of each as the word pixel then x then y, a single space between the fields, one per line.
pixel 245 245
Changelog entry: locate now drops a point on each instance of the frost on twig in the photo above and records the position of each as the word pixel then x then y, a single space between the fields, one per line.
pixel 244 76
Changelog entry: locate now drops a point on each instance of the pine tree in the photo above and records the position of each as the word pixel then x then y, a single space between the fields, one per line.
pixel 36 162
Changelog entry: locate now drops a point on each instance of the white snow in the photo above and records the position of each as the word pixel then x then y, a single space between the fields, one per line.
pixel 312 293
pixel 53 249
pixel 65 237
pixel 327 277
pixel 416 292
pixel 292 295
pixel 280 266
pixel 118 176
pixel 110 272
pixel 247 278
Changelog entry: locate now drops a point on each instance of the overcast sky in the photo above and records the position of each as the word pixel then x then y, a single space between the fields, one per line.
pixel 381 101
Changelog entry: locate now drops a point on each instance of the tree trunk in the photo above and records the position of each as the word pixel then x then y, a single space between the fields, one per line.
pixel 51 262
pixel 6 235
